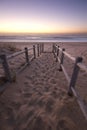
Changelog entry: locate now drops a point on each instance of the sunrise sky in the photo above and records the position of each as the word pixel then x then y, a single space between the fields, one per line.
pixel 43 16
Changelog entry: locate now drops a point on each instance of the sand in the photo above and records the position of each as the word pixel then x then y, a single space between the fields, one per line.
pixel 38 99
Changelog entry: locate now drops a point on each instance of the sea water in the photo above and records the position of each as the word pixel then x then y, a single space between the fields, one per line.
pixel 44 38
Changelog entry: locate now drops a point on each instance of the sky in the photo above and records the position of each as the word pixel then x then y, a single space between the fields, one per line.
pixel 43 16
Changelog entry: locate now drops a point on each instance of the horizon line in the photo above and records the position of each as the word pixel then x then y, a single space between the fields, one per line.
pixel 27 33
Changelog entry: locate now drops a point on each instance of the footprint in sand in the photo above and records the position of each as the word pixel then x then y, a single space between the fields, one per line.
pixel 39 122
pixel 27 95
pixel 46 102
pixel 7 117
pixel 49 105
pixel 38 83
pixel 46 89
pixel 16 105
pixel 26 83
pixel 54 94
pixel 29 77
pixel 23 119
pixel 52 81
pixel 66 124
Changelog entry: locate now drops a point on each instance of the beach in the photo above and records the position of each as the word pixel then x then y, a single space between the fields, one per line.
pixel 38 99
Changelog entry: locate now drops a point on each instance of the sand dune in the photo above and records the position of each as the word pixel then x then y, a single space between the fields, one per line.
pixel 38 100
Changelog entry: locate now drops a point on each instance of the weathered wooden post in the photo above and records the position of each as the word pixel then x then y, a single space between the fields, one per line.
pixel 34 51
pixel 38 50
pixel 55 48
pixel 57 53
pixel 62 59
pixel 6 67
pixel 26 55
pixel 74 75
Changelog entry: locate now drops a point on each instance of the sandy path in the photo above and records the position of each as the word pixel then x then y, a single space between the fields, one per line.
pixel 38 100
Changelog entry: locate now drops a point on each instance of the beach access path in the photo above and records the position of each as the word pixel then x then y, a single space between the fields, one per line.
pixel 38 100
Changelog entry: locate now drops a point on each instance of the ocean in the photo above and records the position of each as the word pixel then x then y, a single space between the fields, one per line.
pixel 44 38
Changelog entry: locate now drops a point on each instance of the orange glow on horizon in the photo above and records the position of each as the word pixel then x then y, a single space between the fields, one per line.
pixel 37 16
pixel 32 27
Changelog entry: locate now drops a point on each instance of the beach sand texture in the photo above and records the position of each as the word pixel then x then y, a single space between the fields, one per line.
pixel 38 99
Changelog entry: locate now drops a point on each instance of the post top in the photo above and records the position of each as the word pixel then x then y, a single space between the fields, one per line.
pixel 63 49
pixel 79 59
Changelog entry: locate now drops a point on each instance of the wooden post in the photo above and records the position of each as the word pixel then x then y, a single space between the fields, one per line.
pixel 74 75
pixel 6 67
pixel 34 51
pixel 58 51
pixel 62 59
pixel 38 49
pixel 26 55
pixel 55 50
pixel 57 54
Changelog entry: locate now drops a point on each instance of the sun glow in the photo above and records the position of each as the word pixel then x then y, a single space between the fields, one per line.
pixel 34 16
pixel 25 27
pixel 20 26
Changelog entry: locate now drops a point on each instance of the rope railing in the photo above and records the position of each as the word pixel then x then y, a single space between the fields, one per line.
pixel 36 49
pixel 71 80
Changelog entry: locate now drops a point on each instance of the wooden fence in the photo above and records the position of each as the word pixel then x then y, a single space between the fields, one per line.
pixel 72 81
pixel 37 50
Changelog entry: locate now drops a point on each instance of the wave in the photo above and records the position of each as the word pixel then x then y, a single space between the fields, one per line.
pixel 44 38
